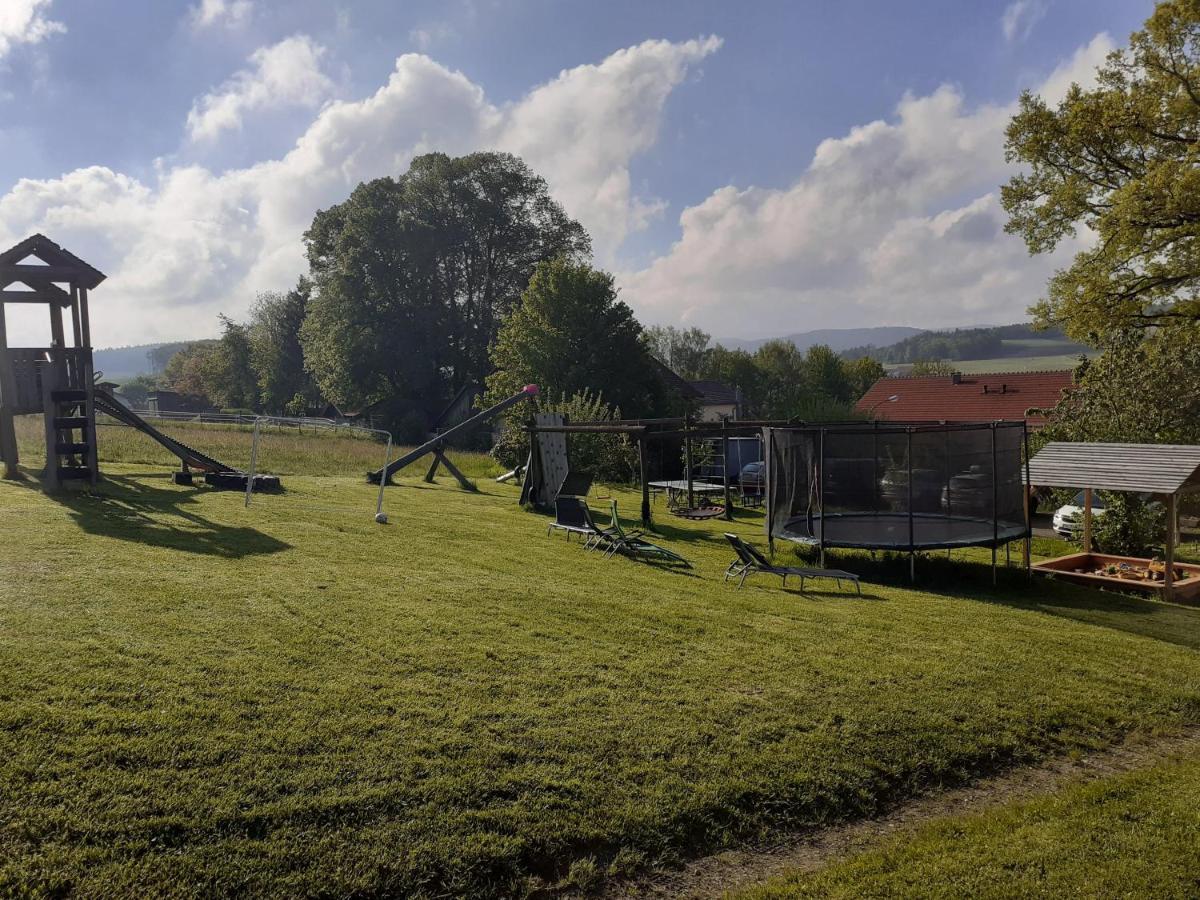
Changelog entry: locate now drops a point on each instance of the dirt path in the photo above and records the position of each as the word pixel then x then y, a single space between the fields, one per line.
pixel 712 876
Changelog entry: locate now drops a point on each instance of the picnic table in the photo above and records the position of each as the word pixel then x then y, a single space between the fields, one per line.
pixel 677 490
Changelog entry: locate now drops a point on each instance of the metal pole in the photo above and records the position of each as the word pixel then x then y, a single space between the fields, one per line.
pixel 687 461
pixel 821 493
pixel 387 455
pixel 768 482
pixel 725 468
pixel 912 549
pixel 1028 503
pixel 253 461
pixel 995 502
pixel 645 481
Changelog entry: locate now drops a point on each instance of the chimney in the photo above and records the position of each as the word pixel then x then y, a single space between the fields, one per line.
pixel 956 377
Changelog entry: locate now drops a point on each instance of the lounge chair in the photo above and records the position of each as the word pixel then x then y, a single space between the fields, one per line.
pixel 571 514
pixel 634 544
pixel 750 560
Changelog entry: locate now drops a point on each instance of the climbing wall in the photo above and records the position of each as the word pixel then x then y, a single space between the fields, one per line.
pixel 548 463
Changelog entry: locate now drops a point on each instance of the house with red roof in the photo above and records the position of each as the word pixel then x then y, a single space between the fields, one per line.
pixel 1006 396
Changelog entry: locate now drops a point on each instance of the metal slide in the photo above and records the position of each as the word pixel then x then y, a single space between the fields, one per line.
pixel 108 405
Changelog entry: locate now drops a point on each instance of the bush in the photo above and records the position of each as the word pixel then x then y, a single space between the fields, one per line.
pixel 608 457
pixel 1130 526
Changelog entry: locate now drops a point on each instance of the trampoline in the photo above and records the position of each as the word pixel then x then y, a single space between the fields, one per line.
pixel 892 486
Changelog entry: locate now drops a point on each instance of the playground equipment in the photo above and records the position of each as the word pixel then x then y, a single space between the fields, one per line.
pixel 899 487
pixel 58 381
pixel 437 445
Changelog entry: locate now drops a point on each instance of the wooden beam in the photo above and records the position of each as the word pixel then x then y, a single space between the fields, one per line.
pixel 42 273
pixel 75 335
pixel 1087 520
pixel 8 396
pixel 85 327
pixel 37 296
pixel 1169 555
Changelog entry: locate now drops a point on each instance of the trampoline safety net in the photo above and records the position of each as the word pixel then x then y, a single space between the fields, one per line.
pixel 896 487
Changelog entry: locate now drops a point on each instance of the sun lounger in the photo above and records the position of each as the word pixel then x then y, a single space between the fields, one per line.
pixel 750 560
pixel 634 544
pixel 571 514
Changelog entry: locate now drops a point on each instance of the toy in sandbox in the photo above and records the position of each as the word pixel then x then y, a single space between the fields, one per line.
pixel 58 381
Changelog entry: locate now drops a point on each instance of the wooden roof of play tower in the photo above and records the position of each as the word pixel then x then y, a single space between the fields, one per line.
pixel 55 266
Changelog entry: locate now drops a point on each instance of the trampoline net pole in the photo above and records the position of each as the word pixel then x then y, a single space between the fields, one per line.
pixel 1028 503
pixel 995 504
pixel 912 549
pixel 821 494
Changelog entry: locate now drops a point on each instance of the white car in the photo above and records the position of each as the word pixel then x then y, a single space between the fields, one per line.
pixel 1068 520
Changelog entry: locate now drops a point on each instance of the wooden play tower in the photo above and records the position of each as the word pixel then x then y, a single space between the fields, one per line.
pixel 57 380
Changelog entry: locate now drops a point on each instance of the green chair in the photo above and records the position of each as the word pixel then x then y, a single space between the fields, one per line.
pixel 633 544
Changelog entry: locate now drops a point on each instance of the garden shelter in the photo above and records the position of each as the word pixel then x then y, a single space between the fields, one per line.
pixel 1167 471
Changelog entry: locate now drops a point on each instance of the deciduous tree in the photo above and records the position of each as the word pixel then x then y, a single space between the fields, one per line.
pixel 1119 160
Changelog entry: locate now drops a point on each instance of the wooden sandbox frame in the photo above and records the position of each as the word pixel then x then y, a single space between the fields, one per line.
pixel 1064 567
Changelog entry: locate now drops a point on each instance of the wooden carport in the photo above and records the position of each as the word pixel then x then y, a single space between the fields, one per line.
pixel 1167 471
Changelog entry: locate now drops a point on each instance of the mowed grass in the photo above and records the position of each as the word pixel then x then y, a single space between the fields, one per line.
pixel 282 450
pixel 197 697
pixel 1132 835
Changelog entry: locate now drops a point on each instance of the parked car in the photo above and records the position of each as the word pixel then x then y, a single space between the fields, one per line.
pixel 753 482
pixel 926 490
pixel 1068 520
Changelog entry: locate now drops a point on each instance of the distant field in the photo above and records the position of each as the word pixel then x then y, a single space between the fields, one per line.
pixel 1053 363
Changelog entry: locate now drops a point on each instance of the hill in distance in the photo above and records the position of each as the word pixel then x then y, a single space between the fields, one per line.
pixel 122 363
pixel 837 339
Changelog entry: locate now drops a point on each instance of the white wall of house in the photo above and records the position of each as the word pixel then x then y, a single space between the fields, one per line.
pixel 715 412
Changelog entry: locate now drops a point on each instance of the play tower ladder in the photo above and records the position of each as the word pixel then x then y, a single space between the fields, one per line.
pixel 70 437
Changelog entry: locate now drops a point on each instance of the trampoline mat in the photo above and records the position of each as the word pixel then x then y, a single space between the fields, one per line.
pixel 890 531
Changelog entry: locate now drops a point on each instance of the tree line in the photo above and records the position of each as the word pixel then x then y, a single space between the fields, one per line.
pixel 460 272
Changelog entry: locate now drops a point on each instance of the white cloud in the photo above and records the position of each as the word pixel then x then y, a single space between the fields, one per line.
pixel 23 22
pixel 287 74
pixel 1019 18
pixel 231 14
pixel 193 242
pixel 897 222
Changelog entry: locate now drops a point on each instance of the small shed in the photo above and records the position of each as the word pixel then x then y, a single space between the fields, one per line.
pixel 1167 471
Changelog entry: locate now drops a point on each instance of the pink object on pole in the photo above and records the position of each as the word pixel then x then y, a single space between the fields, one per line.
pixel 530 389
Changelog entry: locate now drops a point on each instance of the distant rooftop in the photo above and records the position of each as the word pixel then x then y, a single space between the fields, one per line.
pixel 716 393
pixel 966 398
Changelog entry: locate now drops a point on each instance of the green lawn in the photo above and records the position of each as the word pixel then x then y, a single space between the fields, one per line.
pixel 198 697
pixel 282 450
pixel 1133 835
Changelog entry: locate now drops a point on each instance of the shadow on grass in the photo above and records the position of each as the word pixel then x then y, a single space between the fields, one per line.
pixel 971 580
pixel 131 510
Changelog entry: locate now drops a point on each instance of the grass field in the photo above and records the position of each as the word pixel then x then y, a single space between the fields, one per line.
pixel 282 451
pixel 201 698
pixel 1133 835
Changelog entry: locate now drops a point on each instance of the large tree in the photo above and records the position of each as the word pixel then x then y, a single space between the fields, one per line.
pixel 571 335
pixel 1119 160
pixel 1142 389
pixel 414 274
pixel 680 350
pixel 276 352
pixel 738 369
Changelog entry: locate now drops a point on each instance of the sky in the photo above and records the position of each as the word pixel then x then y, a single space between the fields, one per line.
pixel 752 169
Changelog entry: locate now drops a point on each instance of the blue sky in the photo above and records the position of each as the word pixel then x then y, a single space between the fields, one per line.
pixel 181 147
